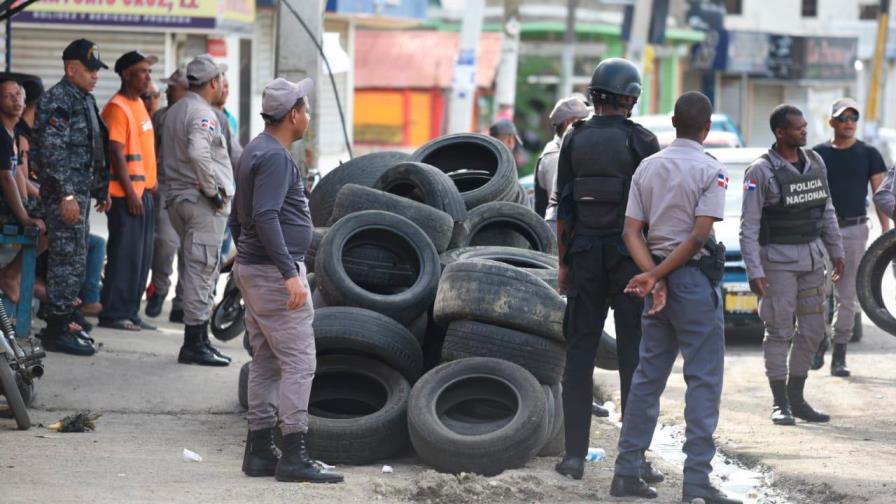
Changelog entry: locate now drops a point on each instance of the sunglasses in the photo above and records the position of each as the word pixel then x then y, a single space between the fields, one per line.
pixel 844 118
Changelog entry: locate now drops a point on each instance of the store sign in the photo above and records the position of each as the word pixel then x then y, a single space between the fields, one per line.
pixel 790 57
pixel 207 14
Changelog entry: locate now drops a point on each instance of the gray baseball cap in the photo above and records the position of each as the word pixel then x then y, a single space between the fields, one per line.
pixel 569 108
pixel 280 95
pixel 504 127
pixel 203 69
pixel 842 105
pixel 177 79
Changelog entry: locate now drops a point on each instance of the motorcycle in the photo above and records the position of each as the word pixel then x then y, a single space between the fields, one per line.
pixel 20 365
pixel 228 317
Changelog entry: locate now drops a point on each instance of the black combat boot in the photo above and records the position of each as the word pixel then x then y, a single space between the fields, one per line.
pixel 630 486
pixel 705 494
pixel 176 316
pixel 296 465
pixel 798 405
pixel 59 337
pixel 781 414
pixel 208 344
pixel 651 475
pixel 838 361
pixel 194 350
pixel 571 467
pixel 260 457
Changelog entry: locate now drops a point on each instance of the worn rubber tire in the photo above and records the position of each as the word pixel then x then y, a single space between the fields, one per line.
pixel 542 357
pixel 317 234
pixel 521 258
pixel 353 198
pixel 482 168
pixel 425 184
pixel 356 331
pixel 606 357
pixel 501 295
pixel 419 327
pixel 242 390
pixel 555 444
pixel 229 316
pixel 362 170
pixel 869 277
pixel 10 391
pixel 366 438
pixel 489 454
pixel 505 223
pixel 337 287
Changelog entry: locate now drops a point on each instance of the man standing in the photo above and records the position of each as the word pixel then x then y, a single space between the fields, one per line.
pixel 132 215
pixel 71 143
pixel 852 165
pixel 152 98
pixel 200 186
pixel 595 167
pixel 566 112
pixel 165 240
pixel 272 229
pixel 677 195
pixel 787 218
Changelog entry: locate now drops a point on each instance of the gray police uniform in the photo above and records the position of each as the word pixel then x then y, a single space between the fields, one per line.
pixel 885 197
pixel 545 180
pixel 71 147
pixel 787 221
pixel 197 167
pixel 669 191
pixel 165 242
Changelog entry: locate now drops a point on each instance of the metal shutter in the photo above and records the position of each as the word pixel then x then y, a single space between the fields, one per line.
pixel 263 57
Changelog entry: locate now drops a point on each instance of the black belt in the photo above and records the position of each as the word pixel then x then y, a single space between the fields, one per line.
pixel 852 221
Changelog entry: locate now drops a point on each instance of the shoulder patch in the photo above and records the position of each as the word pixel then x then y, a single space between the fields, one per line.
pixel 208 124
pixel 59 119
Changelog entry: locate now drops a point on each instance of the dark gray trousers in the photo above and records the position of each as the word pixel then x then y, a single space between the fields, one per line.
pixel 693 323
pixel 128 258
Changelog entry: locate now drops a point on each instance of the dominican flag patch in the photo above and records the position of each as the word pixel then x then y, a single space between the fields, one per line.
pixel 723 181
pixel 750 185
pixel 208 124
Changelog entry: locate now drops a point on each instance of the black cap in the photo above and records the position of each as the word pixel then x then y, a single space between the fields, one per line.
pixel 86 52
pixel 129 59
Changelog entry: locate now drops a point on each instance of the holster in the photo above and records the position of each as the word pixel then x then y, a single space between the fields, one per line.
pixel 713 265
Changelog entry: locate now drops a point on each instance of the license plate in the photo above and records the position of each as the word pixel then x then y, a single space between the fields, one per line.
pixel 741 302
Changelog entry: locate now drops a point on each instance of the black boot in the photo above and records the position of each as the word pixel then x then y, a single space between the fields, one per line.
pixel 781 414
pixel 260 457
pixel 154 305
pixel 705 494
pixel 599 411
pixel 651 475
pixel 571 467
pixel 838 361
pixel 818 360
pixel 58 337
pixel 296 465
pixel 798 405
pixel 208 344
pixel 630 486
pixel 194 350
pixel 176 316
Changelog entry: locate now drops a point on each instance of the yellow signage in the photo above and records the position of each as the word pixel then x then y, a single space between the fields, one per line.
pixel 146 13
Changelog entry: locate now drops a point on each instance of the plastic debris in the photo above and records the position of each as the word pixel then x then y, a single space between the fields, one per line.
pixel 191 456
pixel 595 454
pixel 82 421
pixel 387 469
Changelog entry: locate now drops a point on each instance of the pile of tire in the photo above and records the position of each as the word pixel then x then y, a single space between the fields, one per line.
pixel 430 330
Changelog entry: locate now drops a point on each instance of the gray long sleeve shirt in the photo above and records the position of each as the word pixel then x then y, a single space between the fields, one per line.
pixel 761 189
pixel 270 221
pixel 885 197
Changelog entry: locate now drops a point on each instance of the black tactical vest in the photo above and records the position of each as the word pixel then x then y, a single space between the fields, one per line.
pixel 603 162
pixel 798 217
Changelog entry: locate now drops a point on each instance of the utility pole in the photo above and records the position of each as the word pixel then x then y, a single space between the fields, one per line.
pixel 636 51
pixel 505 88
pixel 463 86
pixel 883 26
pixel 294 65
pixel 568 56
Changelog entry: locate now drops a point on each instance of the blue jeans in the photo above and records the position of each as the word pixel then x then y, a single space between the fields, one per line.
pixel 96 256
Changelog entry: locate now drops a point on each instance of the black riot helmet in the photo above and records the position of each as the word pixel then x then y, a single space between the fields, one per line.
pixel 615 77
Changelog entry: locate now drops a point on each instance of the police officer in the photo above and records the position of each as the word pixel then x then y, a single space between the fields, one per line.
pixel 565 113
pixel 200 187
pixel 597 160
pixel 852 165
pixel 786 221
pixel 71 147
pixel 678 195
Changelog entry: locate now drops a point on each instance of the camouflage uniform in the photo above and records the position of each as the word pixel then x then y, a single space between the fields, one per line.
pixel 74 161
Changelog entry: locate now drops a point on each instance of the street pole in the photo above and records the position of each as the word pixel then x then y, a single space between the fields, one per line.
pixel 883 22
pixel 463 86
pixel 505 87
pixel 636 51
pixel 568 56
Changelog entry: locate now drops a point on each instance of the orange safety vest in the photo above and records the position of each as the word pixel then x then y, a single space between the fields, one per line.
pixel 132 156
